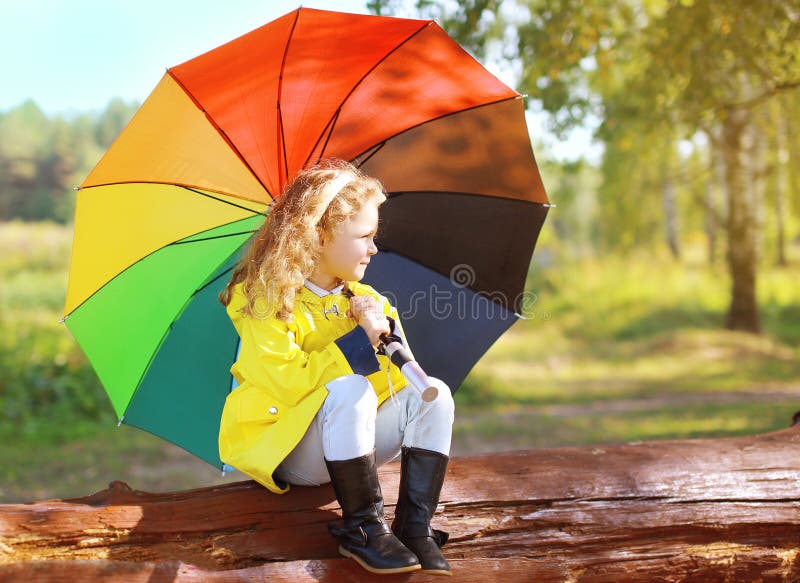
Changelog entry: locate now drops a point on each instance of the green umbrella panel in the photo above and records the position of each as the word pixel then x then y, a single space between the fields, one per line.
pixel 162 343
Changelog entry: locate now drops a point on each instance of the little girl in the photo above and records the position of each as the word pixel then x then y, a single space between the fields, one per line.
pixel 315 402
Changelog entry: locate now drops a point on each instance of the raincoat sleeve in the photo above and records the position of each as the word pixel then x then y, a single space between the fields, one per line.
pixel 272 358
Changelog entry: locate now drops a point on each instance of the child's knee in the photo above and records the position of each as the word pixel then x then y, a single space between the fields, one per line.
pixel 352 392
pixel 443 405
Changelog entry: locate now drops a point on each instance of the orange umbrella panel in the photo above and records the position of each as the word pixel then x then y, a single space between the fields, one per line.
pixel 316 84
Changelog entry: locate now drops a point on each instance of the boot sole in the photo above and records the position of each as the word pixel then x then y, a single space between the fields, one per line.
pixel 437 572
pixel 345 553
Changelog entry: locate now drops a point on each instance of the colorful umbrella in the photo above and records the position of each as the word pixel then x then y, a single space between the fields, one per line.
pixel 162 218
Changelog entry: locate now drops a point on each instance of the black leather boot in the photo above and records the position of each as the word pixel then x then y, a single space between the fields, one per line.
pixel 421 477
pixel 364 536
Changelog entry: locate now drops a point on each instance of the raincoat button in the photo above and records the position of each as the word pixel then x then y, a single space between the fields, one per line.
pixel 273 410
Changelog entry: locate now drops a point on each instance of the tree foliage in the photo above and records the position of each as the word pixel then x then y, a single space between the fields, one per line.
pixel 658 74
pixel 42 158
pixel 473 23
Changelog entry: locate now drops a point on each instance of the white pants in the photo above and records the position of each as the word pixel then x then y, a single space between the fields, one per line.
pixel 350 424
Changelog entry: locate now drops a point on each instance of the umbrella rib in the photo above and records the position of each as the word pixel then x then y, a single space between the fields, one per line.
pixel 95 292
pixel 433 119
pixel 255 212
pixel 335 116
pixel 152 358
pixel 211 238
pixel 512 201
pixel 164 336
pixel 397 193
pixel 329 127
pixel 221 274
pixel 417 261
pixel 178 184
pixel 222 133
pixel 282 137
pixel 375 150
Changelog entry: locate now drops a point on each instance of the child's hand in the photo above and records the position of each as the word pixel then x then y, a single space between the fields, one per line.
pixel 370 317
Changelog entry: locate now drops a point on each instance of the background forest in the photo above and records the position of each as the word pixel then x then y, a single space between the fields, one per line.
pixel 666 278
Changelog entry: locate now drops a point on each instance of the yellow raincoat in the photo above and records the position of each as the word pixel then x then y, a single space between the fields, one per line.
pixel 282 370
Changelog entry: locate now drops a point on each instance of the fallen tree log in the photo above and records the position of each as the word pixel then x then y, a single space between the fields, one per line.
pixel 693 510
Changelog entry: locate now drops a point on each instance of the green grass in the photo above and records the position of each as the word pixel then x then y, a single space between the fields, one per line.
pixel 639 329
pixel 526 428
pixel 36 469
pixel 668 363
pixel 48 391
pixel 612 350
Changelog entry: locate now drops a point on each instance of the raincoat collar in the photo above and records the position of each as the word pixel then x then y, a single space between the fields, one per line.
pixel 310 292
pixel 321 292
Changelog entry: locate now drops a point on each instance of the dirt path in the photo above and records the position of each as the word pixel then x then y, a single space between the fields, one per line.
pixel 611 421
pixel 616 406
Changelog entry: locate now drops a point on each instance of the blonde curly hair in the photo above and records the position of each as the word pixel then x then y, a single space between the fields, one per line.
pixel 285 250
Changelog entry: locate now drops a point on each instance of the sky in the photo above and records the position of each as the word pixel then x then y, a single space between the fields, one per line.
pixel 75 55
pixel 78 54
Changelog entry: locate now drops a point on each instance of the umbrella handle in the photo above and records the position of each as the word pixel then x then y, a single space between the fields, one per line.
pixel 392 346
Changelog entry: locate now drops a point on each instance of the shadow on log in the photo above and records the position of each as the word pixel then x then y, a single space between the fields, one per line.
pixel 694 510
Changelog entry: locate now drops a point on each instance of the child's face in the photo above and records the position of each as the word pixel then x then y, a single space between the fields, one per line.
pixel 346 256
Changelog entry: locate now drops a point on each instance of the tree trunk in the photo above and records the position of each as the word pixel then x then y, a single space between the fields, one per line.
pixel 741 228
pixel 709 220
pixel 791 113
pixel 757 173
pixel 716 211
pixel 782 137
pixel 669 204
pixel 693 510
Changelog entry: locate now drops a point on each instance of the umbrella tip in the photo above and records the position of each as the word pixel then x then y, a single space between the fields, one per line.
pixel 62 319
pixel 76 188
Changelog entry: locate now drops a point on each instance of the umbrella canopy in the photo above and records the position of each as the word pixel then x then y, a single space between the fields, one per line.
pixel 165 214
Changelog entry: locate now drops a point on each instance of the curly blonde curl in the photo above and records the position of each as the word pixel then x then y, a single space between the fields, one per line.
pixel 286 249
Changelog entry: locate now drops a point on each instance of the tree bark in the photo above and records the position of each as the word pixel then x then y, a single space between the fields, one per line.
pixel 782 138
pixel 709 220
pixel 693 510
pixel 715 203
pixel 670 204
pixel 741 228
